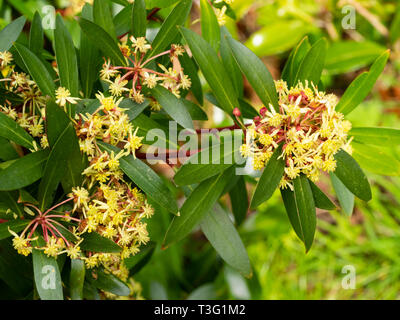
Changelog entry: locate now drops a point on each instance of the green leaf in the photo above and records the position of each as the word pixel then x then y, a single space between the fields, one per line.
pixel 11 33
pixel 196 113
pixel 362 85
pixel 320 199
pixel 110 283
pixel 77 279
pixel 102 16
pixel 219 230
pixel 346 56
pixel 206 163
pixel 296 57
pixel 14 225
pixel 230 63
pixel 96 243
pixel 239 200
pixel 123 21
pixel 47 276
pixel 7 151
pixel 300 208
pixel 11 130
pixel 133 109
pixel 196 206
pixel 160 3
pixel 173 106
pixel 209 25
pixel 10 199
pixel 395 26
pixel 313 63
pixel 55 167
pixel 191 70
pixel 345 197
pixel 139 19
pixel 135 263
pixel 103 41
pixel 89 58
pixel 376 159
pixel 213 70
pixel 378 136
pixel 23 171
pixel 66 58
pixel 269 180
pixel 350 173
pixel 36 40
pixel 37 70
pixel 145 178
pixel 169 31
pixel 256 72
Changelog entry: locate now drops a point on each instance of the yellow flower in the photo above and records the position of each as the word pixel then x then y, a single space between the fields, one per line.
pixel 63 96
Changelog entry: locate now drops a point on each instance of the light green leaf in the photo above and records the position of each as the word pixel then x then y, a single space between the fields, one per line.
pixel 139 19
pixel 209 24
pixel 378 136
pixel 345 197
pixel 11 33
pixel 77 279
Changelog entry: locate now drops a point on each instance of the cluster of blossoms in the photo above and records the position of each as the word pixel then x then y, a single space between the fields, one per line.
pixel 29 114
pixel 131 79
pixel 307 127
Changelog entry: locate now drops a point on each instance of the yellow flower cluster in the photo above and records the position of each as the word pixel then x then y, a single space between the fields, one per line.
pixel 221 12
pixel 130 80
pixel 307 126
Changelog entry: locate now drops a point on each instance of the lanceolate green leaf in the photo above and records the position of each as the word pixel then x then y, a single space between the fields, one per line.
pixel 96 243
pixel 313 63
pixel 14 225
pixel 145 178
pixel 196 206
pixel 11 33
pixel 55 167
pixel 110 283
pixel 135 263
pixel 139 19
pixel 320 199
pixel 256 72
pixel 219 230
pixel 190 68
pixel 89 58
pixel 239 200
pixel 10 199
pixel 36 40
pixel 173 106
pixel 169 31
pixel 362 85
pixel 269 179
pixel 7 151
pixel 47 276
pixel 345 197
pixel 300 208
pixel 387 137
pixel 11 130
pixel 103 41
pixel 23 171
pixel 207 163
pixel 213 70
pixel 66 57
pixel 37 70
pixel 350 173
pixel 209 24
pixel 77 279
pixel 102 16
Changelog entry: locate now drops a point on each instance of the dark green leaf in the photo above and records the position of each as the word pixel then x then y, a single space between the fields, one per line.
pixel 196 113
pixel 139 19
pixel 7 151
pixel 256 72
pixel 77 279
pixel 14 225
pixel 10 199
pixel 169 31
pixel 11 33
pixel 96 243
pixel 209 24
pixel 37 70
pixel 362 85
pixel 300 208
pixel 295 59
pixel 345 197
pixel 103 41
pixel 239 200
pixel 11 130
pixel 320 198
pixel 173 106
pixel 110 283
pixel 219 230
pixel 269 179
pixel 23 171
pixel 196 206
pixel 145 178
pixel 190 68
pixel 36 40
pixel 102 16
pixel 350 173
pixel 213 70
pixel 135 263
